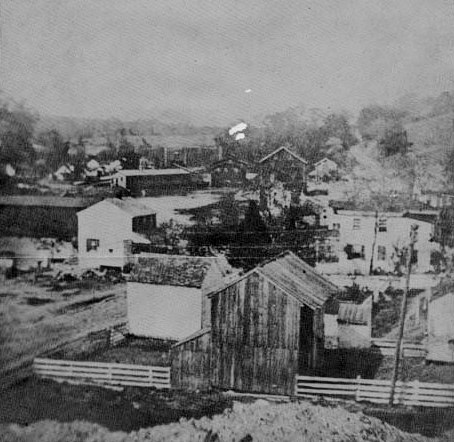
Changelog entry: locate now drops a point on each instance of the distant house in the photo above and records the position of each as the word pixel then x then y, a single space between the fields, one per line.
pixel 167 294
pixel 363 236
pixel 64 172
pixel 440 343
pixel 323 169
pixel 152 181
pixel 436 200
pixel 109 231
pixel 267 325
pixel 285 166
pixel 229 172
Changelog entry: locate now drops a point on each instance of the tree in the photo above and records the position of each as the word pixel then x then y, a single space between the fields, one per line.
pixel 173 233
pixel 16 132
pixel 337 125
pixel 444 228
pixel 449 167
pixel 374 121
pixel 127 155
pixel 395 141
pixel 252 240
pixel 57 153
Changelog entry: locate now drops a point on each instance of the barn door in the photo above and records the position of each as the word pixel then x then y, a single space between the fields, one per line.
pixel 306 341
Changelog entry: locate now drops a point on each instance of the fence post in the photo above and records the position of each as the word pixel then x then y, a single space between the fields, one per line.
pixel 358 387
pixel 109 373
pixel 416 388
pixel 150 376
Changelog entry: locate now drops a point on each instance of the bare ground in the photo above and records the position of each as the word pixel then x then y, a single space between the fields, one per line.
pixel 35 316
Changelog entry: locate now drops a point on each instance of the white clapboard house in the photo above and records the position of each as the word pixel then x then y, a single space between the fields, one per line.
pixel 109 231
pixel 166 294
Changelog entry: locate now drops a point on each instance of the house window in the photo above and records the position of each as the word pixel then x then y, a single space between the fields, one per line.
pixel 356 223
pixel 355 251
pixel 414 257
pixel 382 227
pixel 381 253
pixel 92 244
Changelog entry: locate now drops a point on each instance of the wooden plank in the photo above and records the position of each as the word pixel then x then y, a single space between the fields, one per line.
pixel 329 386
pixel 40 361
pixel 330 392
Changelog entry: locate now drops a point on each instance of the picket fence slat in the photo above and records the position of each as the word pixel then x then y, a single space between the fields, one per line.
pixel 378 391
pixel 103 372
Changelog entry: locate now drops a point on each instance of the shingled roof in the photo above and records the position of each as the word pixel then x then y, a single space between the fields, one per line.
pixel 295 277
pixel 298 279
pixel 177 270
pixel 131 206
pixel 355 314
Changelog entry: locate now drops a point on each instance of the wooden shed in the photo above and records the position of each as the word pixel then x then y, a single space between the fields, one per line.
pixel 266 327
pixel 441 323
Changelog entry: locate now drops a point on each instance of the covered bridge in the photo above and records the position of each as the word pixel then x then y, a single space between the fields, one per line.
pixel 266 326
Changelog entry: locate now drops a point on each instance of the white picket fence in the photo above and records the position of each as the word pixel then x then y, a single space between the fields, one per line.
pixel 387 347
pixel 103 373
pixel 414 393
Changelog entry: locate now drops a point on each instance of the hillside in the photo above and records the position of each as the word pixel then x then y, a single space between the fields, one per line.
pixel 155 131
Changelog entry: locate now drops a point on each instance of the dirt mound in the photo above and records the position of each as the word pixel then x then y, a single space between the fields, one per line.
pixel 260 421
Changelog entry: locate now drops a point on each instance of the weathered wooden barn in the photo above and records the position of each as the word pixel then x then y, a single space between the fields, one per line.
pixel 267 326
pixel 284 166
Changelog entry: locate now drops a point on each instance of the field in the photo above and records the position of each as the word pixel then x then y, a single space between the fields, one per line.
pixel 34 317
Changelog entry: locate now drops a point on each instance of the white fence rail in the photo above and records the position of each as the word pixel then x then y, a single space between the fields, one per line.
pixel 103 373
pixel 414 393
pixel 387 347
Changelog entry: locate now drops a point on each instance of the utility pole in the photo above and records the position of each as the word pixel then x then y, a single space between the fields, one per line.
pixel 371 266
pixel 403 311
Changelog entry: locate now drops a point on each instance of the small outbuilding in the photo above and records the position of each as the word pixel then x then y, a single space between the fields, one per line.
pixel 441 324
pixel 267 326
pixel 166 294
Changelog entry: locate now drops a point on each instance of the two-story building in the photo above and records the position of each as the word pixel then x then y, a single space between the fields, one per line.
pixel 365 237
pixel 109 231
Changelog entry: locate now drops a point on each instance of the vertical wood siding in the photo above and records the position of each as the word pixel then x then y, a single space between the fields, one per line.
pixel 191 364
pixel 255 336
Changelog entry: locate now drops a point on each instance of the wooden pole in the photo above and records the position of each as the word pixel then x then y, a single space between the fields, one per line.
pixel 371 266
pixel 403 311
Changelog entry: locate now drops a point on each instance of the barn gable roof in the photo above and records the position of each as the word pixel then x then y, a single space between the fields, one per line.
pixel 129 206
pixel 176 270
pixel 294 277
pixel 280 149
pixel 298 279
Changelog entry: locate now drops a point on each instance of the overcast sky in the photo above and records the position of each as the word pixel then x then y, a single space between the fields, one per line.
pixel 101 58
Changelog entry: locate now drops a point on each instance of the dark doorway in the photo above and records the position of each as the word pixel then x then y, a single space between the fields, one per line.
pixel 306 344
